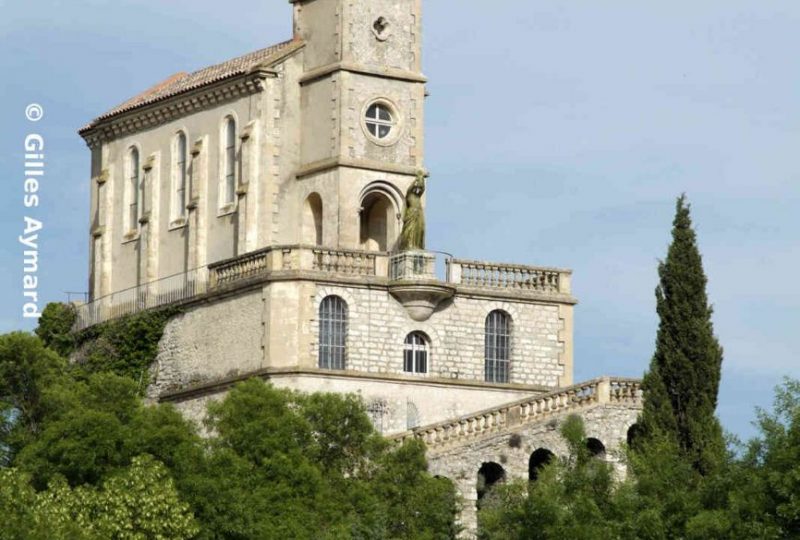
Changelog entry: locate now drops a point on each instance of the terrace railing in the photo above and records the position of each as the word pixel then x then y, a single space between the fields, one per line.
pixel 510 276
pixel 404 266
pixel 161 292
pixel 605 390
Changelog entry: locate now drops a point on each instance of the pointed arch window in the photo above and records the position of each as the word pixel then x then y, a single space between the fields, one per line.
pixel 415 353
pixel 498 346
pixel 332 333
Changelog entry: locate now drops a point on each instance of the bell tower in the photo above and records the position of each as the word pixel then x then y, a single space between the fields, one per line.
pixel 361 136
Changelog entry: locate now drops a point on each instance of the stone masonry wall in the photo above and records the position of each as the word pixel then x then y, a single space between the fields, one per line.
pixel 209 342
pixel 512 450
pixel 378 325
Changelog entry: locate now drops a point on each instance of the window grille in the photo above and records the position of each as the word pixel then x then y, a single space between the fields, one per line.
pixel 332 333
pixel 498 346
pixel 415 353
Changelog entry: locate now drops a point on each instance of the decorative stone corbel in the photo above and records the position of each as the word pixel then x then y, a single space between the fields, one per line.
pixel 197 147
pixel 413 282
pixel 97 231
pixel 101 178
pixel 247 131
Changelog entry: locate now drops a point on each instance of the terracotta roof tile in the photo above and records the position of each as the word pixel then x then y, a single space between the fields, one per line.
pixel 184 82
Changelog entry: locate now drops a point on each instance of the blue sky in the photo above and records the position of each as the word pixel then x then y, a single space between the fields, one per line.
pixel 558 133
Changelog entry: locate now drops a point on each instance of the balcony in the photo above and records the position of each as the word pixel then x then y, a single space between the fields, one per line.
pixel 419 279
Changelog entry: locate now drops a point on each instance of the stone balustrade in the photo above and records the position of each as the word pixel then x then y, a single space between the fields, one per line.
pixel 294 257
pixel 412 265
pixel 509 276
pixel 359 263
pixel 246 266
pixel 605 390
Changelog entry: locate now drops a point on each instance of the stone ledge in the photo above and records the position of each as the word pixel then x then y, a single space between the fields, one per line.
pixel 365 164
pixel 385 73
pixel 273 373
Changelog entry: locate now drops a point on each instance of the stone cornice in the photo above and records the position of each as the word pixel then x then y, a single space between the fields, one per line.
pixel 366 164
pixel 178 106
pixel 384 73
pixel 222 384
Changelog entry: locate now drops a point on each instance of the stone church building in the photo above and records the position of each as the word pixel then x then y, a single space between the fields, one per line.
pixel 266 196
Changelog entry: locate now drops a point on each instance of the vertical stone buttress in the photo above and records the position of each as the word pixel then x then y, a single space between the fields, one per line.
pixel 249 187
pixel 149 220
pixel 198 205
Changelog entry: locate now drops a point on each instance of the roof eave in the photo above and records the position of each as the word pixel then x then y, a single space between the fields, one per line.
pixel 262 70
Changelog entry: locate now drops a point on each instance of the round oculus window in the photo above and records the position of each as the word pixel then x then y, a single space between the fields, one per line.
pixel 380 120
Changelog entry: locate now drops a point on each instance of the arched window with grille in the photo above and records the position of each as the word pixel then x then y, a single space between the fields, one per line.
pixel 415 353
pixel 498 346
pixel 332 333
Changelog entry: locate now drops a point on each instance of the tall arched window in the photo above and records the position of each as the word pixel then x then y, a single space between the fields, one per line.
pixel 179 177
pixel 498 346
pixel 229 161
pixel 133 190
pixel 415 353
pixel 332 333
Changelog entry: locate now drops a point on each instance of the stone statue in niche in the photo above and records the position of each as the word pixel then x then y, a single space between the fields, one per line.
pixel 413 234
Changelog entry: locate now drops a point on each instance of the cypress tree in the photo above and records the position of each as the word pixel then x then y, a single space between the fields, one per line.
pixel 681 386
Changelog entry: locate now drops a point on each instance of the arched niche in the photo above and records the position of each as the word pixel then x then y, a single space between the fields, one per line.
pixel 311 228
pixel 378 222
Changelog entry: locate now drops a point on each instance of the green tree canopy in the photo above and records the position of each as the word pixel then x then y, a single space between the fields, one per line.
pixel 682 383
pixel 137 503
pixel 27 370
pixel 288 465
pixel 55 327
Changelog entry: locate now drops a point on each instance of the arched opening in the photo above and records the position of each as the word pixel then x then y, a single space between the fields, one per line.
pixel 416 353
pixel 596 448
pixel 311 228
pixel 539 459
pixel 332 333
pixel 489 474
pixel 497 346
pixel 635 433
pixel 377 222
